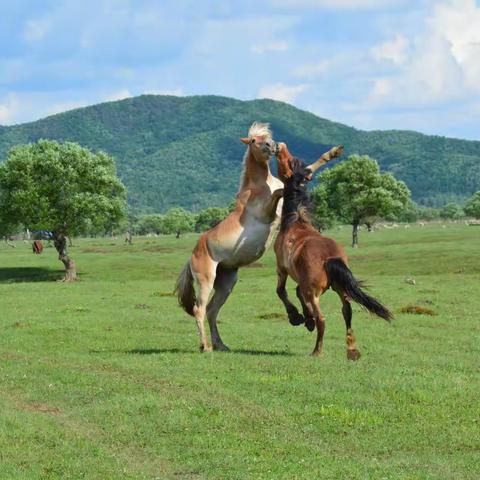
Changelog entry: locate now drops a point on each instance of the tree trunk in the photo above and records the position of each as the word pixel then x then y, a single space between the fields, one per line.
pixel 60 242
pixel 355 234
pixel 9 243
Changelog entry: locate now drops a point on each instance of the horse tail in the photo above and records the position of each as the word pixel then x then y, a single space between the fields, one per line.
pixel 185 291
pixel 341 276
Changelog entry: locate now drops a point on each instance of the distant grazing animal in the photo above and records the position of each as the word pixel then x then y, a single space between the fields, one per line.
pixel 315 262
pixel 37 247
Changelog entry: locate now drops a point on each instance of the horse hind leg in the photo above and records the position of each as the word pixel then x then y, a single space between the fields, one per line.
pixel 204 275
pixel 224 282
pixel 320 324
pixel 352 352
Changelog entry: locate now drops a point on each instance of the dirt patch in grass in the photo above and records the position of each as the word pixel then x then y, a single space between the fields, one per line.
pixel 269 316
pixel 11 356
pixel 95 250
pixel 158 249
pixel 20 325
pixel 76 309
pixel 142 306
pixel 417 310
pixel 40 407
pixel 164 294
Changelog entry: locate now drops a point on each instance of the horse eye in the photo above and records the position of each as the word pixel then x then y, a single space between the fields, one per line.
pixel 267 144
pixel 253 140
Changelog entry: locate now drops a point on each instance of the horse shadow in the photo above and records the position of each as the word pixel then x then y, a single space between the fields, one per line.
pixel 29 274
pixel 241 351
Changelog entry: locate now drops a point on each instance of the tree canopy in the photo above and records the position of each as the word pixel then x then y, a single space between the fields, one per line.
pixel 472 207
pixel 209 217
pixel 356 192
pixel 451 211
pixel 60 187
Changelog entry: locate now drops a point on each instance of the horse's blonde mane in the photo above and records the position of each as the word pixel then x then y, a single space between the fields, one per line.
pixel 257 129
pixel 260 130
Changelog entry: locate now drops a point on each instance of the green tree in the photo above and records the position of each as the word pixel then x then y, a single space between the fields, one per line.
pixel 323 215
pixel 178 220
pixel 150 223
pixel 472 207
pixel 356 191
pixel 59 187
pixel 428 213
pixel 451 211
pixel 209 217
pixel 410 214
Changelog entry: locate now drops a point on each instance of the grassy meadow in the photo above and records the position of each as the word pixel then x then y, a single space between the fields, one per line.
pixel 102 379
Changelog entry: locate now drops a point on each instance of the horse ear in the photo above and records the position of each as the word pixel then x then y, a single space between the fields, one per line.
pixel 245 140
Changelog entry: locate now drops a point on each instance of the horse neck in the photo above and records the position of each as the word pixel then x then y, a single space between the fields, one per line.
pixel 255 173
pixel 293 201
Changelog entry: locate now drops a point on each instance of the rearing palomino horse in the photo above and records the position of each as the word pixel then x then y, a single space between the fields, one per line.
pixel 315 262
pixel 241 238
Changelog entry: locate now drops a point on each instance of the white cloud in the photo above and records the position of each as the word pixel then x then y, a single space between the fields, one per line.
pixel 459 25
pixel 313 70
pixel 281 92
pixel 9 107
pixel 36 30
pixel 279 46
pixel 444 61
pixel 394 51
pixel 337 4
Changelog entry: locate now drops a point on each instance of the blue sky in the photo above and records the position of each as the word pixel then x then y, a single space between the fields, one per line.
pixel 371 64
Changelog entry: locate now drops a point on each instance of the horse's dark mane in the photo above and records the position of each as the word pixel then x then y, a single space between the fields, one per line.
pixel 296 200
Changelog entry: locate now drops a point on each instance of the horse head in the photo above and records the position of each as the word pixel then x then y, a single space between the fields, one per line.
pixel 260 142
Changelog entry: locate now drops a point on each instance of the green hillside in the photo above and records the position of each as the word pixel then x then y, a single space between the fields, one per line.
pixel 185 150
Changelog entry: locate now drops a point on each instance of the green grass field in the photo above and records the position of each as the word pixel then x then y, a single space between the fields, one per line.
pixel 102 379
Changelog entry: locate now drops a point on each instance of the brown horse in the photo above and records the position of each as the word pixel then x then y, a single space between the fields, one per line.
pixel 315 262
pixel 37 247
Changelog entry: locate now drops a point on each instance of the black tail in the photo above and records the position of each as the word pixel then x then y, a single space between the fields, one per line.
pixel 185 291
pixel 341 276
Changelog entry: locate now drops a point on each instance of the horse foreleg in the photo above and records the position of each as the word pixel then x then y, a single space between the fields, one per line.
pixel 272 204
pixel 309 318
pixel 224 283
pixel 294 316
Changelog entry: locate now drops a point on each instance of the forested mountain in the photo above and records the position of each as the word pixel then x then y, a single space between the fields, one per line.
pixel 185 151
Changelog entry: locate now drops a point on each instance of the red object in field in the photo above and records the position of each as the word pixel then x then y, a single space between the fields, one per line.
pixel 37 246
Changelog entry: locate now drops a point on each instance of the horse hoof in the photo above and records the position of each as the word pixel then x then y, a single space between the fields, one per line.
pixel 353 354
pixel 316 353
pixel 221 348
pixel 310 324
pixel 204 348
pixel 296 318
